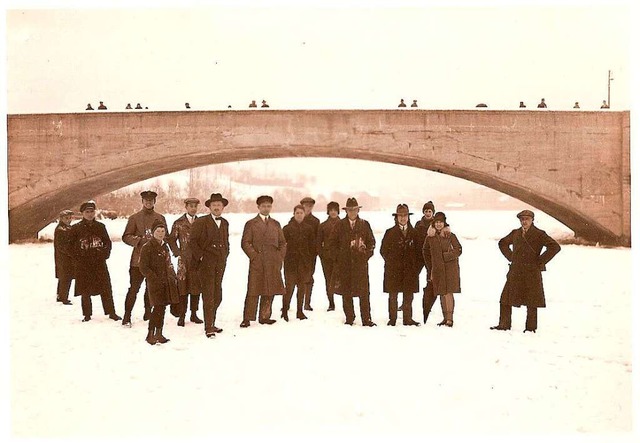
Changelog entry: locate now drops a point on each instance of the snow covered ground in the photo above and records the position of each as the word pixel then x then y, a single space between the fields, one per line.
pixel 319 378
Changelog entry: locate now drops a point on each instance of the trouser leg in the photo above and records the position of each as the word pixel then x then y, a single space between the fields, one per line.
pixel 448 306
pixel 182 305
pixel 208 305
pixel 365 309
pixel 265 307
pixel 135 281
pixel 505 316
pixel 288 295
pixel 87 308
pixel 300 300
pixel 532 318
pixel 327 270
pixel 107 303
pixel 64 284
pixel 393 306
pixel 407 307
pixel 194 301
pixel 217 287
pixel 347 306
pixel 308 285
pixel 250 308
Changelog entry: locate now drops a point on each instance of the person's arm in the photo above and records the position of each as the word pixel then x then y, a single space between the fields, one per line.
pixel 455 251
pixel 504 245
pixel 247 241
pixel 552 248
pixel 129 236
pixel 172 239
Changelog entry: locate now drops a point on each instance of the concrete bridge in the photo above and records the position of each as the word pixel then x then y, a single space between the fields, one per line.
pixel 575 166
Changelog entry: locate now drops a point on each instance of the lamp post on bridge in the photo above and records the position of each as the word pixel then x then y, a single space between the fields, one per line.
pixel 609 78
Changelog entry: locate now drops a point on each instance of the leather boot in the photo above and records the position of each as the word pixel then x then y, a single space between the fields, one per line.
pixel 159 337
pixel 194 318
pixel 126 320
pixel 151 337
pixel 181 321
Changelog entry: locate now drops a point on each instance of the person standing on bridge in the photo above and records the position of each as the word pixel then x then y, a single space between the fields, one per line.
pixel 179 240
pixel 91 247
pixel 210 249
pixel 63 256
pixel 327 247
pixel 313 222
pixel 523 247
pixel 136 234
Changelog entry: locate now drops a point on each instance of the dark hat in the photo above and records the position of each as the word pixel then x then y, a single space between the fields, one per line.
pixel 440 216
pixel 158 224
pixel 66 212
pixel 87 205
pixel 402 209
pixel 333 205
pixel 525 213
pixel 217 197
pixel 148 195
pixel 351 203
pixel 307 200
pixel 264 198
pixel 191 200
pixel 428 205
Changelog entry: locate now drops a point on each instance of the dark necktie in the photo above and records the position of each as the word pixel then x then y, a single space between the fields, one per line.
pixel 218 218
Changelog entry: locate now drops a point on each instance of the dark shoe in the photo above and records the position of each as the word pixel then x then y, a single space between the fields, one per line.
pixel 529 330
pixel 151 338
pixel 58 299
pixel 181 321
pixel 369 323
pixel 391 323
pixel 66 302
pixel 216 330
pixel 331 308
pixel 285 315
pixel 499 328
pixel 146 316
pixel 308 308
pixel 126 321
pixel 210 334
pixel 350 323
pixel 195 319
pixel 161 338
pixel 449 323
pixel 411 323
pixel 245 324
pixel 115 317
pixel 267 322
pixel 301 316
pixel 443 322
pixel 86 318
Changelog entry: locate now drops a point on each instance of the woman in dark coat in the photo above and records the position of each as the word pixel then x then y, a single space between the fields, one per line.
pixel 63 256
pixel 327 247
pixel 298 261
pixel 155 265
pixel 91 247
pixel 441 250
pixel 402 263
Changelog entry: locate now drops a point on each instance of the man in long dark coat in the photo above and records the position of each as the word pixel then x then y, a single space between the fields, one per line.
pixel 210 249
pixel 136 234
pixel 63 256
pixel 350 278
pixel 314 223
pixel 402 263
pixel 263 242
pixel 91 246
pixel 523 248
pixel 327 247
pixel 179 241
pixel 297 262
pixel 428 297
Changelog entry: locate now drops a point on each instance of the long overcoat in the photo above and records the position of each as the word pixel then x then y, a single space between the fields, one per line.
pixel 264 244
pixel 327 239
pixel 179 241
pixel 421 233
pixel 440 252
pixel 62 252
pixel 91 246
pixel 138 231
pixel 524 279
pixel 155 265
pixel 402 256
pixel 301 250
pixel 355 248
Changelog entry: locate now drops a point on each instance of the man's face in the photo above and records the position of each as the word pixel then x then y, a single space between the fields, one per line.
pixel 333 213
pixel 352 213
pixel 265 208
pixel 298 215
pixel 216 208
pixel 526 222
pixel 308 207
pixel 148 203
pixel 89 214
pixel 428 213
pixel 66 219
pixel 192 208
pixel 159 233
pixel 403 219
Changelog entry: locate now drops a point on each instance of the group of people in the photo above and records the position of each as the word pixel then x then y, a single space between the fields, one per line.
pixel 344 245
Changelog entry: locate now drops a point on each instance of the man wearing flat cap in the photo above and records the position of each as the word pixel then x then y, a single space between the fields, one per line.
pixel 91 246
pixel 313 222
pixel 188 280
pixel 136 234
pixel 350 278
pixel 428 297
pixel 210 249
pixel 264 243
pixel 523 248
pixel 63 256
pixel 327 247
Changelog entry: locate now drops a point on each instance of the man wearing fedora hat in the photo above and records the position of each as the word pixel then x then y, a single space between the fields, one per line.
pixel 91 247
pixel 264 243
pixel 402 262
pixel 350 278
pixel 63 256
pixel 522 247
pixel 136 234
pixel 188 281
pixel 210 249
pixel 313 222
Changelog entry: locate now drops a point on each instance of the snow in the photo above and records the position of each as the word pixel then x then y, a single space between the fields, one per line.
pixel 321 379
